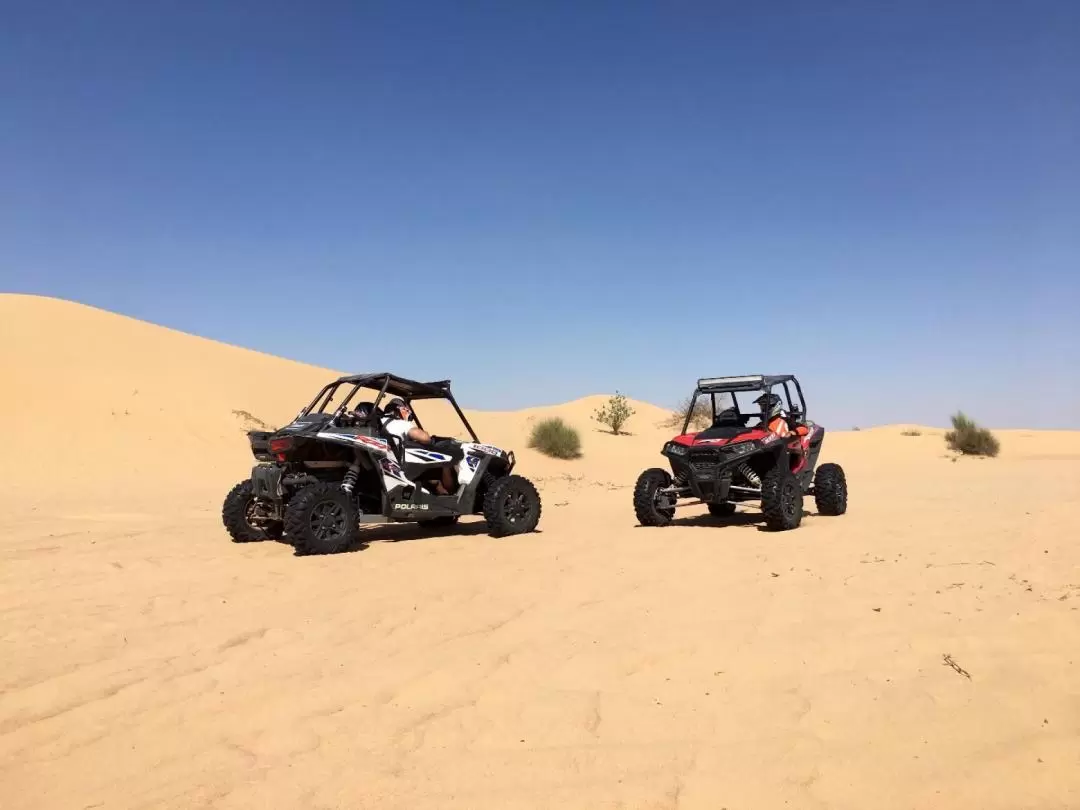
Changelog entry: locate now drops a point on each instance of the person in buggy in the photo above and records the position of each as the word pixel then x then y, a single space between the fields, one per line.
pixel 775 419
pixel 398 422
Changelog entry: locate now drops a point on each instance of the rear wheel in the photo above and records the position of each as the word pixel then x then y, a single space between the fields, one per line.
pixel 653 507
pixel 322 519
pixel 830 490
pixel 725 509
pixel 511 506
pixel 781 499
pixel 241 515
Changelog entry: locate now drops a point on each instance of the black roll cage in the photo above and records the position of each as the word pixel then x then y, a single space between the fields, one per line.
pixel 748 383
pixel 385 383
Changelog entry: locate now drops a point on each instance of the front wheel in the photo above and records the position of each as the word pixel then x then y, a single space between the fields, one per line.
pixel 322 519
pixel 830 490
pixel 653 507
pixel 781 499
pixel 511 506
pixel 241 515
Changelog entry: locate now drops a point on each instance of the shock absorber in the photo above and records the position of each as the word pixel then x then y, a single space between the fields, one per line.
pixel 350 478
pixel 749 474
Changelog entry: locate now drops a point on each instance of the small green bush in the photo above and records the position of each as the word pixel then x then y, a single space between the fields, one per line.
pixel 700 419
pixel 911 432
pixel 615 413
pixel 968 438
pixel 553 437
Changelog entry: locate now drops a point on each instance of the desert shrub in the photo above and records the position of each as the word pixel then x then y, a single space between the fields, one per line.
pixel 615 413
pixel 911 432
pixel 553 437
pixel 968 438
pixel 700 419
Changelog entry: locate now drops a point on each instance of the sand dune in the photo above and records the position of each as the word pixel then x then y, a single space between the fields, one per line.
pixel 149 662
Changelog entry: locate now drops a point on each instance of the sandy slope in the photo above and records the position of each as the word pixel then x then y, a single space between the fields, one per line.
pixel 150 663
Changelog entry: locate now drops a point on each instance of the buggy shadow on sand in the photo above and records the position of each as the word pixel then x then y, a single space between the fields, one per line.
pixel 708 520
pixel 731 462
pixel 408 532
pixel 335 468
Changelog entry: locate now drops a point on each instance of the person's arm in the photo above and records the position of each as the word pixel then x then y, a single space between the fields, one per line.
pixel 407 430
pixel 419 435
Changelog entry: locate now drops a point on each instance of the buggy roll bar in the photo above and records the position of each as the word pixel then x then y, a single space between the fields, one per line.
pixel 747 382
pixel 447 395
pixel 439 390
pixel 461 416
pixel 744 383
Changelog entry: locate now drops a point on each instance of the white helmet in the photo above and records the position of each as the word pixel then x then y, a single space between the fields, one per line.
pixel 771 403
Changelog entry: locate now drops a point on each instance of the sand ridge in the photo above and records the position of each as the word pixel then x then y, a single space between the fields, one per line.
pixel 595 664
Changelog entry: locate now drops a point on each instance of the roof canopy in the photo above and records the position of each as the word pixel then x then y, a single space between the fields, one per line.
pixel 747 382
pixel 399 386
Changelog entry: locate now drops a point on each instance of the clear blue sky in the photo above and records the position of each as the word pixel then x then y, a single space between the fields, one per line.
pixel 546 200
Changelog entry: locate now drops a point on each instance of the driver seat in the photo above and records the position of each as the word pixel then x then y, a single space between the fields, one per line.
pixel 729 417
pixel 366 414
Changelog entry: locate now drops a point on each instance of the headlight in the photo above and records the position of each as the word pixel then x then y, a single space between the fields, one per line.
pixel 742 448
pixel 675 449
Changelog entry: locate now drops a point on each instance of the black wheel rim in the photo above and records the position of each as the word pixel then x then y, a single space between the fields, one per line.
pixel 789 498
pixel 516 507
pixel 662 502
pixel 255 515
pixel 327 521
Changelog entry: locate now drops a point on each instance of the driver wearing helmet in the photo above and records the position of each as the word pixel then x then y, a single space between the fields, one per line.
pixel 775 419
pixel 362 413
pixel 399 422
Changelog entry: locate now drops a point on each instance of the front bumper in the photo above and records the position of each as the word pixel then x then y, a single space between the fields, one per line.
pixel 710 485
pixel 707 471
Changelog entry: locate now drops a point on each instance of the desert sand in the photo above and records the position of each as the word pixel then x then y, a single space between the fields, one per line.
pixel 148 662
